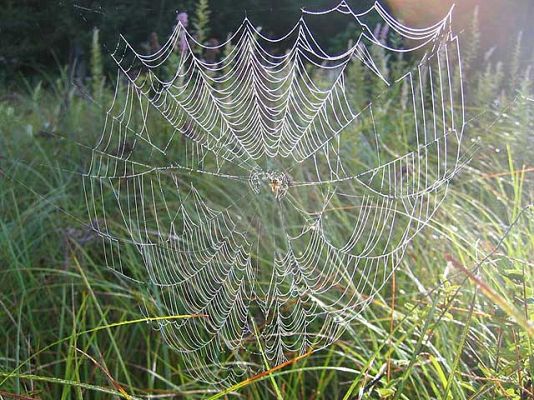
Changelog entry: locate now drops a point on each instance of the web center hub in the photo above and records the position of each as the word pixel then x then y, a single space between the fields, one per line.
pixel 276 182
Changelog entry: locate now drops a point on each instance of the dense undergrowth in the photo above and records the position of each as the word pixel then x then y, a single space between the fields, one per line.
pixel 453 323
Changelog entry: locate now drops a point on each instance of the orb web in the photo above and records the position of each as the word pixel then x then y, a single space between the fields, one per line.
pixel 259 191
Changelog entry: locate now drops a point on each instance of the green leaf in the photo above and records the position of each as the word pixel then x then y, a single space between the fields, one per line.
pixel 385 393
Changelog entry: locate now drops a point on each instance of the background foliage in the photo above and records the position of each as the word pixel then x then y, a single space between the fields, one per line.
pixel 455 323
pixel 40 34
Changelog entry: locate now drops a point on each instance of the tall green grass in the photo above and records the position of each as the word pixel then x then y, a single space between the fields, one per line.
pixel 455 322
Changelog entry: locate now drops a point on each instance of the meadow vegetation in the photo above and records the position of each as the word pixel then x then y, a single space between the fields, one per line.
pixel 455 322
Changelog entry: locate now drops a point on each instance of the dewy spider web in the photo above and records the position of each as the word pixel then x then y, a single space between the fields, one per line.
pixel 260 192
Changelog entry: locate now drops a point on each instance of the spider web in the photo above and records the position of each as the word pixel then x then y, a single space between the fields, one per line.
pixel 258 190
